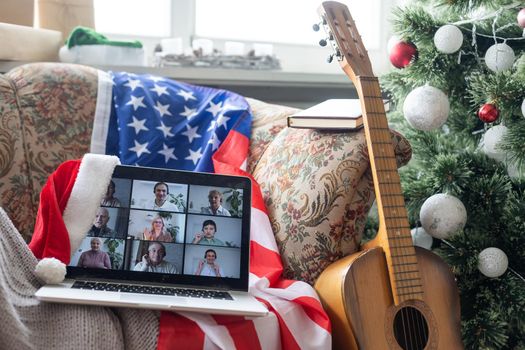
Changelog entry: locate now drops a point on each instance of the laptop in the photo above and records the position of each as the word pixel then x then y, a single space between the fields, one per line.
pixel 166 240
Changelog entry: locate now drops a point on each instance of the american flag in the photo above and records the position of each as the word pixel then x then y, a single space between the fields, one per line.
pixel 152 121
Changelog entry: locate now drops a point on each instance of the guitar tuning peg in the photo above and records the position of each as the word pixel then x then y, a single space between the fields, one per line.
pixel 330 58
pixel 316 27
pixel 323 42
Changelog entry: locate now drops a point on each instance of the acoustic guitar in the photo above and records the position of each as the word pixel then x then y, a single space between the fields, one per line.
pixel 390 294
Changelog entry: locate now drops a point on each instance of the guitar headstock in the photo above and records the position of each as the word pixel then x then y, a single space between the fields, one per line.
pixel 345 39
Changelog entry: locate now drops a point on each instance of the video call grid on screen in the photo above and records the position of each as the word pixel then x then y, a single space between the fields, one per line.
pixel 197 235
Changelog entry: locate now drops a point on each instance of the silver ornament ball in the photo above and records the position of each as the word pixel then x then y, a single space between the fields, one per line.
pixel 442 215
pixel 499 57
pixel 426 108
pixel 491 142
pixel 492 262
pixel 448 39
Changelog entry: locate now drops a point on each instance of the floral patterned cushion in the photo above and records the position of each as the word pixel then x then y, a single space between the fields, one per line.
pixel 318 190
pixel 46 117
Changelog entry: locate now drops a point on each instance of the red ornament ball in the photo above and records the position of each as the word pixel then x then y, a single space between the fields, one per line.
pixel 521 18
pixel 402 54
pixel 488 113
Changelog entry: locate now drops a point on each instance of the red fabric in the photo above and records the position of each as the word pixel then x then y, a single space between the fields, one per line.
pixel 51 238
pixel 183 333
pixel 242 332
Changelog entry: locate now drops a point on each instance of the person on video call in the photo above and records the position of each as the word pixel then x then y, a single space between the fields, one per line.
pixel 161 200
pixel 215 207
pixel 109 200
pixel 153 261
pixel 94 258
pixel 207 235
pixel 209 266
pixel 157 232
pixel 100 225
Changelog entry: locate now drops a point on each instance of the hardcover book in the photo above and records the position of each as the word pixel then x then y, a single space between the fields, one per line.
pixel 336 114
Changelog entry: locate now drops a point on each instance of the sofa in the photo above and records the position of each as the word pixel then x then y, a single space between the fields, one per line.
pixel 317 185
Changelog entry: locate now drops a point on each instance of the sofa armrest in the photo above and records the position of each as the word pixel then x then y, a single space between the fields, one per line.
pixel 318 190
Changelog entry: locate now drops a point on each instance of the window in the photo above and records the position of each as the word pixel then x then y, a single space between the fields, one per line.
pixel 133 17
pixel 278 21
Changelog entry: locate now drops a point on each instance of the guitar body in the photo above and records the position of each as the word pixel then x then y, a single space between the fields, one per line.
pixel 362 310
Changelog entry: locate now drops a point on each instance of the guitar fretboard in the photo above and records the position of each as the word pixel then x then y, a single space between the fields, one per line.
pixel 397 240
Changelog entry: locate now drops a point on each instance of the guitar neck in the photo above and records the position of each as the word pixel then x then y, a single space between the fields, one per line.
pixel 394 230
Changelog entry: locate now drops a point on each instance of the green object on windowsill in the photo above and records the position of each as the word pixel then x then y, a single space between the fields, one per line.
pixel 88 36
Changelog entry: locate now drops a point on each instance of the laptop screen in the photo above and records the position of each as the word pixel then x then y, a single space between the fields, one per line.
pixel 169 226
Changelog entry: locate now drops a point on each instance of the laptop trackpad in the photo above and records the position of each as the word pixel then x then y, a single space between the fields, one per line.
pixel 152 299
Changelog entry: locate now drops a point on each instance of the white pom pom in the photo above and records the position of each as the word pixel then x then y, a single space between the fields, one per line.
pixel 492 262
pixel 426 108
pixel 448 39
pixel 491 141
pixel 421 238
pixel 442 215
pixel 51 270
pixel 499 57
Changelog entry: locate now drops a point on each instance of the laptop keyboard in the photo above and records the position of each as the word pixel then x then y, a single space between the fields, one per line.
pixel 127 288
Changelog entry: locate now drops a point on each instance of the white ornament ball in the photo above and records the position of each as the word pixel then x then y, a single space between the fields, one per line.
pixel 394 39
pixel 426 108
pixel 491 141
pixel 523 107
pixel 492 262
pixel 448 39
pixel 51 270
pixel 499 57
pixel 421 238
pixel 442 215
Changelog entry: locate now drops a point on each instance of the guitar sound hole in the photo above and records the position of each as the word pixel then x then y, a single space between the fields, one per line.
pixel 410 329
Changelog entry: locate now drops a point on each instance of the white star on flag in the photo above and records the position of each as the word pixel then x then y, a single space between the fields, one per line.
pixel 212 126
pixel 222 120
pixel 187 95
pixel 167 153
pixel 214 109
pixel 133 84
pixel 166 130
pixel 160 90
pixel 138 125
pixel 214 141
pixel 189 113
pixel 140 148
pixel 136 102
pixel 194 156
pixel 163 109
pixel 191 133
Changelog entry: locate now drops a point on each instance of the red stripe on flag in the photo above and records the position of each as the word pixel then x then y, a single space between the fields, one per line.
pixel 315 312
pixel 225 162
pixel 178 332
pixel 233 150
pixel 265 263
pixel 241 330
pixel 287 340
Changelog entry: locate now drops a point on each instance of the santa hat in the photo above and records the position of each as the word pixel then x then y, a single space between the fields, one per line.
pixel 68 203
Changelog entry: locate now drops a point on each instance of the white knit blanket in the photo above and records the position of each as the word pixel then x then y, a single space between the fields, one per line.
pixel 26 323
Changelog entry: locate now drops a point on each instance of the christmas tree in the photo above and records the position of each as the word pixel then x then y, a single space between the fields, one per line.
pixel 459 97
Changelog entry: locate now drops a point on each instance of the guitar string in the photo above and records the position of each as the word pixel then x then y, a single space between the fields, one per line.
pixel 369 112
pixel 415 325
